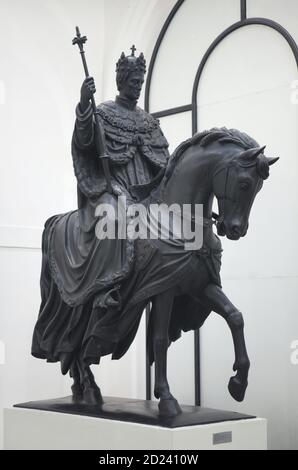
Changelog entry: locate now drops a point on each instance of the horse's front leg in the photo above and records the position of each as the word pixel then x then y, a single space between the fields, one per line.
pixel 160 316
pixel 220 304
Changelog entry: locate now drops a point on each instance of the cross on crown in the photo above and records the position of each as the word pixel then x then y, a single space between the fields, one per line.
pixel 133 50
pixel 131 62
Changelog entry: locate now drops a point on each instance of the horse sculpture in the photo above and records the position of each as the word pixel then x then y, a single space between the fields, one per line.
pixel 182 286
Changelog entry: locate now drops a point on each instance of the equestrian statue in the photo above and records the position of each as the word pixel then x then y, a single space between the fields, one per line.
pixel 94 289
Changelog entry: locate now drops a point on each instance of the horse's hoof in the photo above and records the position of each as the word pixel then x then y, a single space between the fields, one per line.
pixel 169 408
pixel 77 393
pixel 237 388
pixel 92 396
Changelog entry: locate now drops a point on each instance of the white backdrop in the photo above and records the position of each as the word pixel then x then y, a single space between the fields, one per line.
pixel 246 84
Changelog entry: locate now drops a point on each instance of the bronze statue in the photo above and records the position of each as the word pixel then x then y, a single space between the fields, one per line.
pixel 94 290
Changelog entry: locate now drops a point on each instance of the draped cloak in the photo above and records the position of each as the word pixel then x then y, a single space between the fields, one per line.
pixel 94 291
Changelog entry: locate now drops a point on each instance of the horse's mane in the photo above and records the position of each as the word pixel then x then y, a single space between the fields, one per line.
pixel 208 137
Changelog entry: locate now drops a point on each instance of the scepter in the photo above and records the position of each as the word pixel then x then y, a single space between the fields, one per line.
pixel 100 142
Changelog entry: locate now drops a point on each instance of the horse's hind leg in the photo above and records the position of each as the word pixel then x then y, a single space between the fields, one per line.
pixel 160 316
pixel 220 304
pixel 91 393
pixel 76 388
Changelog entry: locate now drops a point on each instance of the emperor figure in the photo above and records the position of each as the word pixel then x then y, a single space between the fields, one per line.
pixel 82 274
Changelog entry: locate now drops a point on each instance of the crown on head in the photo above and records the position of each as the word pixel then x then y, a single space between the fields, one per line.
pixel 130 63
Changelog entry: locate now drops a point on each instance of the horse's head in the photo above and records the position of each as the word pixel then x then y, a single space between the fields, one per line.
pixel 235 185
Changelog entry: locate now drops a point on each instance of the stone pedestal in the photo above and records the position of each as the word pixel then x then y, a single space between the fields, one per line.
pixel 125 424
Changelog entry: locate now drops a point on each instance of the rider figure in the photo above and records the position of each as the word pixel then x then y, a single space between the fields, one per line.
pixel 136 145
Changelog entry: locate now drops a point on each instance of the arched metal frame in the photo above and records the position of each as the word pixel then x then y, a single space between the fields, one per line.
pixel 193 107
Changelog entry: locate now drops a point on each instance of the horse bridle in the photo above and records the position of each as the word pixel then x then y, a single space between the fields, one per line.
pixel 219 219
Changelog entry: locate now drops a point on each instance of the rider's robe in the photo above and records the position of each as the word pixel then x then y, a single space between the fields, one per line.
pixel 94 291
pixel 81 264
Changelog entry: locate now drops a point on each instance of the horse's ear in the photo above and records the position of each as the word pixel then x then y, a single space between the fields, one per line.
pixel 271 161
pixel 250 155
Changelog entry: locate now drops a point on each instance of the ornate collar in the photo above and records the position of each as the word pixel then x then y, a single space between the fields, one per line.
pixel 126 103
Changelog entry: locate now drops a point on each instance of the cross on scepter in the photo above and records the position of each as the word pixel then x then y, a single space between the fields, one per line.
pixel 133 50
pixel 80 41
pixel 100 142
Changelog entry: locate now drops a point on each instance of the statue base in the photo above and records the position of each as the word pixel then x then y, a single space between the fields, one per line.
pixel 127 424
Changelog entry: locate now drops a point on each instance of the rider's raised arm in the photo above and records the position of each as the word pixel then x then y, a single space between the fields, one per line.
pixel 84 126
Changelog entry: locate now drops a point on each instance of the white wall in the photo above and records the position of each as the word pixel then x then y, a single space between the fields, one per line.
pixel 41 74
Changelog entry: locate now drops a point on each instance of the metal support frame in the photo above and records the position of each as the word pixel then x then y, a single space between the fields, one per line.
pixel 193 108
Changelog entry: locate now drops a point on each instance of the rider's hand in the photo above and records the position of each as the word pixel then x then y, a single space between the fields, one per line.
pixel 87 91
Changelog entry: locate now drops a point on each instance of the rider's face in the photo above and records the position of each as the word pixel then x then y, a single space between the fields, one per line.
pixel 133 86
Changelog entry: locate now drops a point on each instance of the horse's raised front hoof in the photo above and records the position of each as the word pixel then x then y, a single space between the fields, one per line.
pixel 92 395
pixel 169 408
pixel 237 388
pixel 77 393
